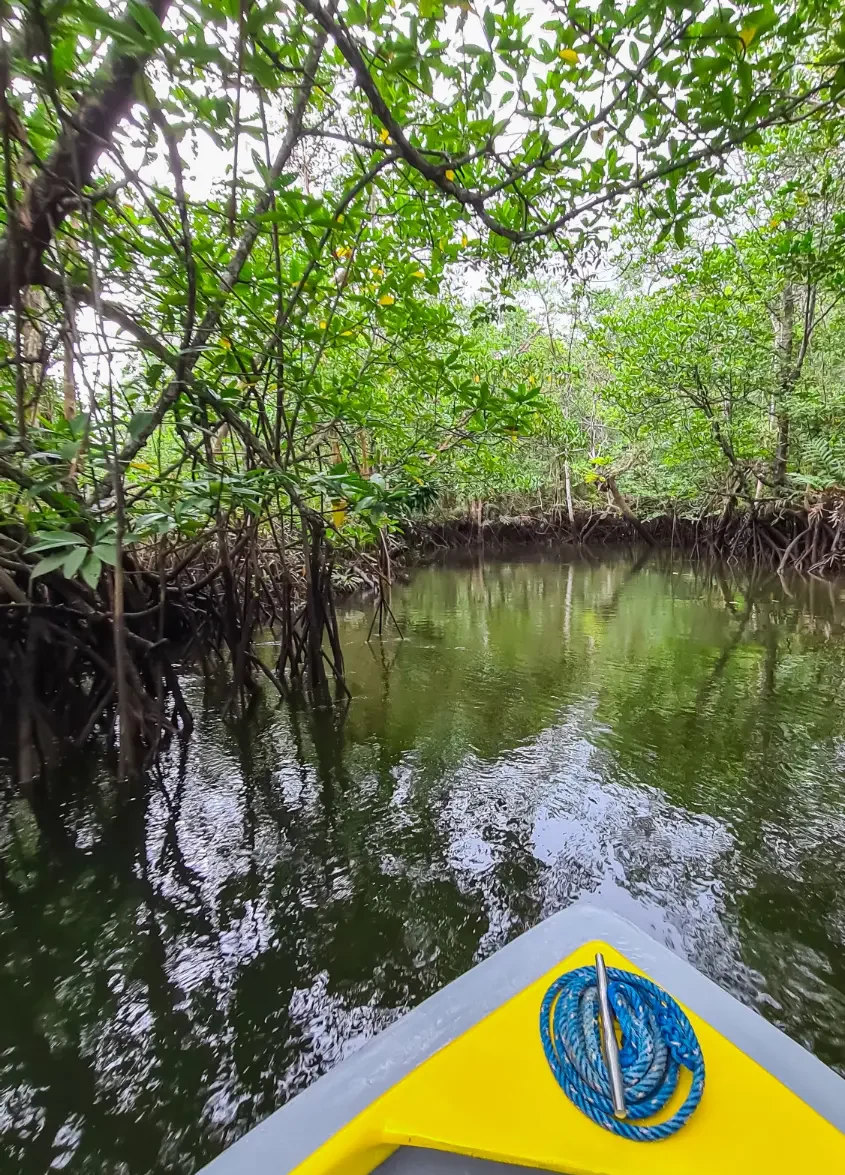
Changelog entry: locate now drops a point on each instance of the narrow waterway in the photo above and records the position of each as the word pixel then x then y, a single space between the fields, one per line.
pixel 666 738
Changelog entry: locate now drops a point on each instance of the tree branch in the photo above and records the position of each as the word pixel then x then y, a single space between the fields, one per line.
pixel 211 319
pixel 56 188
pixel 436 173
pixel 116 314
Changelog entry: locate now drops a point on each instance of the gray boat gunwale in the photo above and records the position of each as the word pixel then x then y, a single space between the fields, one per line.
pixel 290 1134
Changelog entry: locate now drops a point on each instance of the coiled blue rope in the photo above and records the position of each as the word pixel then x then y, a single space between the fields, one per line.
pixel 657 1038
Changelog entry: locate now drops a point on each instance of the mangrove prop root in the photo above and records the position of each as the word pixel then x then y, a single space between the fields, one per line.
pixel 805 540
pixel 383 585
pixel 60 681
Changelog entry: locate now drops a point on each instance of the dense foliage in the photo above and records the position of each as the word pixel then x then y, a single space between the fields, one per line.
pixel 712 369
pixel 277 273
pixel 235 220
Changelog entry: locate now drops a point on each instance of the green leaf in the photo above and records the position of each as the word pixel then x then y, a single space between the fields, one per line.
pixel 149 22
pixel 489 21
pixel 107 552
pixel 139 422
pixel 74 561
pixel 94 17
pixel 91 569
pixel 78 424
pixel 49 564
pixel 69 450
pixel 47 540
pixel 64 54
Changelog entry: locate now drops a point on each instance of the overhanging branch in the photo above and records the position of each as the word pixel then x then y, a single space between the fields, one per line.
pixel 56 189
pixel 791 111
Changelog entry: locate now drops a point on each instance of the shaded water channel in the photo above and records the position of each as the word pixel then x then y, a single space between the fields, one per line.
pixel 666 738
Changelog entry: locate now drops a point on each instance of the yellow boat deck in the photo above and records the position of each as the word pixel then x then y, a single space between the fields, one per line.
pixel 490 1094
pixel 465 1075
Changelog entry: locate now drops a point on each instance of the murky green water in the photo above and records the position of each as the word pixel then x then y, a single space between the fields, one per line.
pixel 666 740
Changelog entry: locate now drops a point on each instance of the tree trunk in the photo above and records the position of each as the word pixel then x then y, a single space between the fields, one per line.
pixel 619 501
pixel 365 453
pixel 727 513
pixel 312 539
pixel 569 507
pixel 69 379
pixel 34 305
pixel 781 450
pixel 785 345
pixel 53 192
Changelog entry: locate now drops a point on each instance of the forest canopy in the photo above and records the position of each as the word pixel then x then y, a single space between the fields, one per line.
pixel 276 276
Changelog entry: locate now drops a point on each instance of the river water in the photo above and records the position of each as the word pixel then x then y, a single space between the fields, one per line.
pixel 665 738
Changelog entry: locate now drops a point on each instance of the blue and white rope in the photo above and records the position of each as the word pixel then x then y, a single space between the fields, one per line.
pixel 657 1039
